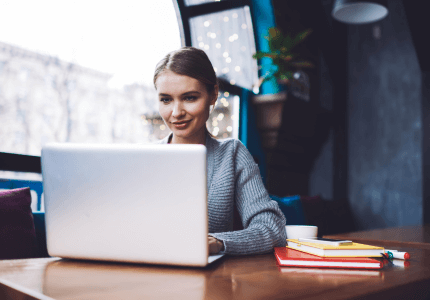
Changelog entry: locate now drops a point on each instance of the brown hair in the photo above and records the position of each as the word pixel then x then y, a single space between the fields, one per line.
pixel 191 62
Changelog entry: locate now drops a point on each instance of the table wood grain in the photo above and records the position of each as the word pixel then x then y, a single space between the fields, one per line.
pixel 416 236
pixel 245 277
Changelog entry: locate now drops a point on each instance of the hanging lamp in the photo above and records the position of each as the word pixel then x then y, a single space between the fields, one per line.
pixel 359 12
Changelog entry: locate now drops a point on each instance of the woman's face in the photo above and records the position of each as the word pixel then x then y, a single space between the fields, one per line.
pixel 184 105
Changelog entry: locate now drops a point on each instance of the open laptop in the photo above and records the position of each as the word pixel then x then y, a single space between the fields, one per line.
pixel 130 203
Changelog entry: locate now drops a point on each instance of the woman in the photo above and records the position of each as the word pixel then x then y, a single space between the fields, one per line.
pixel 187 88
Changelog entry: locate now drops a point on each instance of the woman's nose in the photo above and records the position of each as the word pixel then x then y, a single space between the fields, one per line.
pixel 177 109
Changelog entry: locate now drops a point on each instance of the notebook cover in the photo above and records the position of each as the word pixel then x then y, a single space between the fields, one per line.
pixel 294 258
pixel 353 246
pixel 354 250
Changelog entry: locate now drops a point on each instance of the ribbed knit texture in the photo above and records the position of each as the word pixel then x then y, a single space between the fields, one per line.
pixel 233 178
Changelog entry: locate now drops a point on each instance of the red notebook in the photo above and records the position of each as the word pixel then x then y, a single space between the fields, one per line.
pixel 293 258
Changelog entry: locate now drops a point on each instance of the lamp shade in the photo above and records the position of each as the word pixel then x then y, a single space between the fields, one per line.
pixel 359 12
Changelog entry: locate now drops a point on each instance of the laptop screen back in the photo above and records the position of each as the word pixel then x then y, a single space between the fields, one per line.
pixel 133 203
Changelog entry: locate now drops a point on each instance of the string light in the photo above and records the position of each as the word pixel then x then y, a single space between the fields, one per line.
pixel 215 131
pixel 162 127
pixel 233 37
pixel 233 117
pixel 232 82
pixel 228 60
pixel 225 104
pixel 229 128
pixel 207 23
pixel 225 54
pixel 225 19
pixel 225 70
pixel 201 44
pixel 213 35
pixel 215 123
pixel 226 94
pixel 235 15
pixel 215 69
pixel 237 69
pixel 206 47
pixel 220 116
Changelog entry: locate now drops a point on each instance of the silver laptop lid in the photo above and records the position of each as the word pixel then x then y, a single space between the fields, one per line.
pixel 133 203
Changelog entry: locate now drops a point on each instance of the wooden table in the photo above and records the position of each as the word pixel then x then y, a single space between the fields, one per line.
pixel 248 277
pixel 414 236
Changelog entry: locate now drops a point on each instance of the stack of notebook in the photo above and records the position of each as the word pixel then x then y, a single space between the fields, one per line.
pixel 307 254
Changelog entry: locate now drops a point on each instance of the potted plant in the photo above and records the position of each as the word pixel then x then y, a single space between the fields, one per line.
pixel 269 109
pixel 285 62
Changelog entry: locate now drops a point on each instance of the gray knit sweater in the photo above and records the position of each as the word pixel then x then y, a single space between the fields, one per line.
pixel 233 178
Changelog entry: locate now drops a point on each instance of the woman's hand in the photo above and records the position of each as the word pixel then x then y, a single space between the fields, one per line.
pixel 215 245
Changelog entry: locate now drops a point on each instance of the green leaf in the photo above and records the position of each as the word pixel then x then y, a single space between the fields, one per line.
pixel 302 64
pixel 302 36
pixel 275 39
pixel 287 44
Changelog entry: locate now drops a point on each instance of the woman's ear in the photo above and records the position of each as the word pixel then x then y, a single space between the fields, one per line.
pixel 215 95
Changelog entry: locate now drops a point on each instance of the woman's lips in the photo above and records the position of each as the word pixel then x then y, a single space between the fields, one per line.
pixel 181 125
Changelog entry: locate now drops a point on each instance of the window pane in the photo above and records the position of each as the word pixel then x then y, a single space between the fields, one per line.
pixel 82 72
pixel 224 120
pixel 227 37
pixel 197 2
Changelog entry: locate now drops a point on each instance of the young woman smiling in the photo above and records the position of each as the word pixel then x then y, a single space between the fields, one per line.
pixel 187 88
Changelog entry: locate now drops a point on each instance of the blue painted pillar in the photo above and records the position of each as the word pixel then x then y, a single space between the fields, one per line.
pixel 249 134
pixel 263 18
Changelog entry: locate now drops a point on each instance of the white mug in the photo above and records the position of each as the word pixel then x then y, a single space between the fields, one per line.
pixel 301 231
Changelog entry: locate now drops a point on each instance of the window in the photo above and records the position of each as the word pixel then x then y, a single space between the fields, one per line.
pixel 81 76
pixel 223 29
pixel 227 38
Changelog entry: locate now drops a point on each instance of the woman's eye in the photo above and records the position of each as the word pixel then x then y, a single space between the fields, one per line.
pixel 190 98
pixel 165 100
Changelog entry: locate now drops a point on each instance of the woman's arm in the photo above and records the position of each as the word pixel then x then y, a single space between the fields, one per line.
pixel 262 219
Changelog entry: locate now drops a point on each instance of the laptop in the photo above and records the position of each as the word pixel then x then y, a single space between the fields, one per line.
pixel 127 203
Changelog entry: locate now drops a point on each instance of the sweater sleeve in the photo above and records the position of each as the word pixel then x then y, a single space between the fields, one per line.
pixel 262 219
